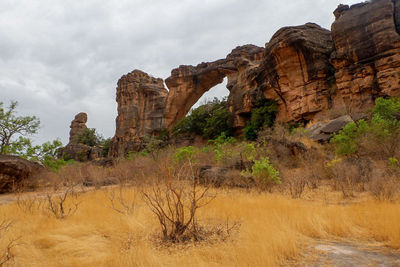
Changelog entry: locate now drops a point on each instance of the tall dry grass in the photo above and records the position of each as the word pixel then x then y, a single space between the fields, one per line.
pixel 273 229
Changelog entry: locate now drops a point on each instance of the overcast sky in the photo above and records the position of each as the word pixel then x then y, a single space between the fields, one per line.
pixel 59 58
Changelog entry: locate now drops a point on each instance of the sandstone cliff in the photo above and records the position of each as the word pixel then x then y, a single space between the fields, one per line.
pixel 367 54
pixel 308 70
pixel 141 107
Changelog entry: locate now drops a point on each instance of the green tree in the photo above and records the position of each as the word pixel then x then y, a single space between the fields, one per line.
pixel 263 114
pixel 90 137
pixel 209 120
pixel 13 129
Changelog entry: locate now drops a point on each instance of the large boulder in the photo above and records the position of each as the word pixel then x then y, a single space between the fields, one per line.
pixel 323 131
pixel 15 170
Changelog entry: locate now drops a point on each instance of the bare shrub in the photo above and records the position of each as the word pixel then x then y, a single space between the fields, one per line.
pixel 350 175
pixel 385 188
pixel 175 200
pixel 296 185
pixel 62 204
pixel 29 204
pixel 122 200
pixel 7 255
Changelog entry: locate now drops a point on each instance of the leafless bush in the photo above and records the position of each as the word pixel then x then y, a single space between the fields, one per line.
pixel 62 204
pixel 175 200
pixel 351 175
pixel 385 188
pixel 296 185
pixel 122 200
pixel 7 255
pixel 29 204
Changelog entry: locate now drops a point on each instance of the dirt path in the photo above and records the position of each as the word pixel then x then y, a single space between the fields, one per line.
pixel 349 254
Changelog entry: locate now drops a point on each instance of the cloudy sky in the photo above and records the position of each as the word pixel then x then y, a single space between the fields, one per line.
pixel 58 58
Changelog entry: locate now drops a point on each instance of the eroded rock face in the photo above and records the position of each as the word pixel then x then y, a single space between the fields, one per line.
pixel 141 111
pixel 295 71
pixel 367 55
pixel 74 149
pixel 308 70
pixel 78 126
pixel 15 170
pixel 188 83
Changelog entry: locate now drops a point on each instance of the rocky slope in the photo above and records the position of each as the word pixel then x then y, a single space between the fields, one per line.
pixel 308 70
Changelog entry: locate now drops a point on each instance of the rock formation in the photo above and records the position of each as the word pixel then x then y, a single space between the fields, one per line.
pixel 78 126
pixel 308 70
pixel 74 149
pixel 367 55
pixel 295 71
pixel 141 107
pixel 15 170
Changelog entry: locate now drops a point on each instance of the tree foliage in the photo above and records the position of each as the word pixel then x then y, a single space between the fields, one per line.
pixel 263 115
pixel 208 120
pixel 13 129
pixel 382 129
pixel 90 137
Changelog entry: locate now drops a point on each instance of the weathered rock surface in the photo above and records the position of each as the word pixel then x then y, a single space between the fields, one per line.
pixel 296 71
pixel 367 54
pixel 14 170
pixel 323 131
pixel 74 149
pixel 78 126
pixel 308 70
pixel 188 83
pixel 141 111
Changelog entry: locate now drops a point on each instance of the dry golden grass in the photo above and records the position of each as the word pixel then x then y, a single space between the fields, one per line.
pixel 273 230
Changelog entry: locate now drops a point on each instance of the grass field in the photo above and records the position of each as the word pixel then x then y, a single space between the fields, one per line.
pixel 271 230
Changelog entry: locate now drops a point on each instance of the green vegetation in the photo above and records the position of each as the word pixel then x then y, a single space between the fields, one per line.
pixel 209 120
pixel 263 115
pixel 264 172
pixel 12 126
pixel 90 137
pixel 382 129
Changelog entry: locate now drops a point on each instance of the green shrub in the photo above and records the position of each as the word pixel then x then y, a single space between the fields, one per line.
pixel 263 114
pixel 56 164
pixel 250 133
pixel 347 140
pixel 186 153
pixel 208 120
pixel 221 146
pixel 264 173
pixel 381 133
pixel 89 137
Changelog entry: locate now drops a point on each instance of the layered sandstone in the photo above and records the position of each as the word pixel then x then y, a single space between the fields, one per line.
pixel 367 56
pixel 308 70
pixel 78 126
pixel 295 71
pixel 76 150
pixel 188 83
pixel 141 110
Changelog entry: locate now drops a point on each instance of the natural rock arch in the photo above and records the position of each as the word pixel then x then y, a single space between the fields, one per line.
pixel 308 70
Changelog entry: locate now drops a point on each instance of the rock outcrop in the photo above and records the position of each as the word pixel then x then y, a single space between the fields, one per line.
pixel 15 170
pixel 76 150
pixel 367 53
pixel 78 126
pixel 141 111
pixel 296 71
pixel 308 70
pixel 187 83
